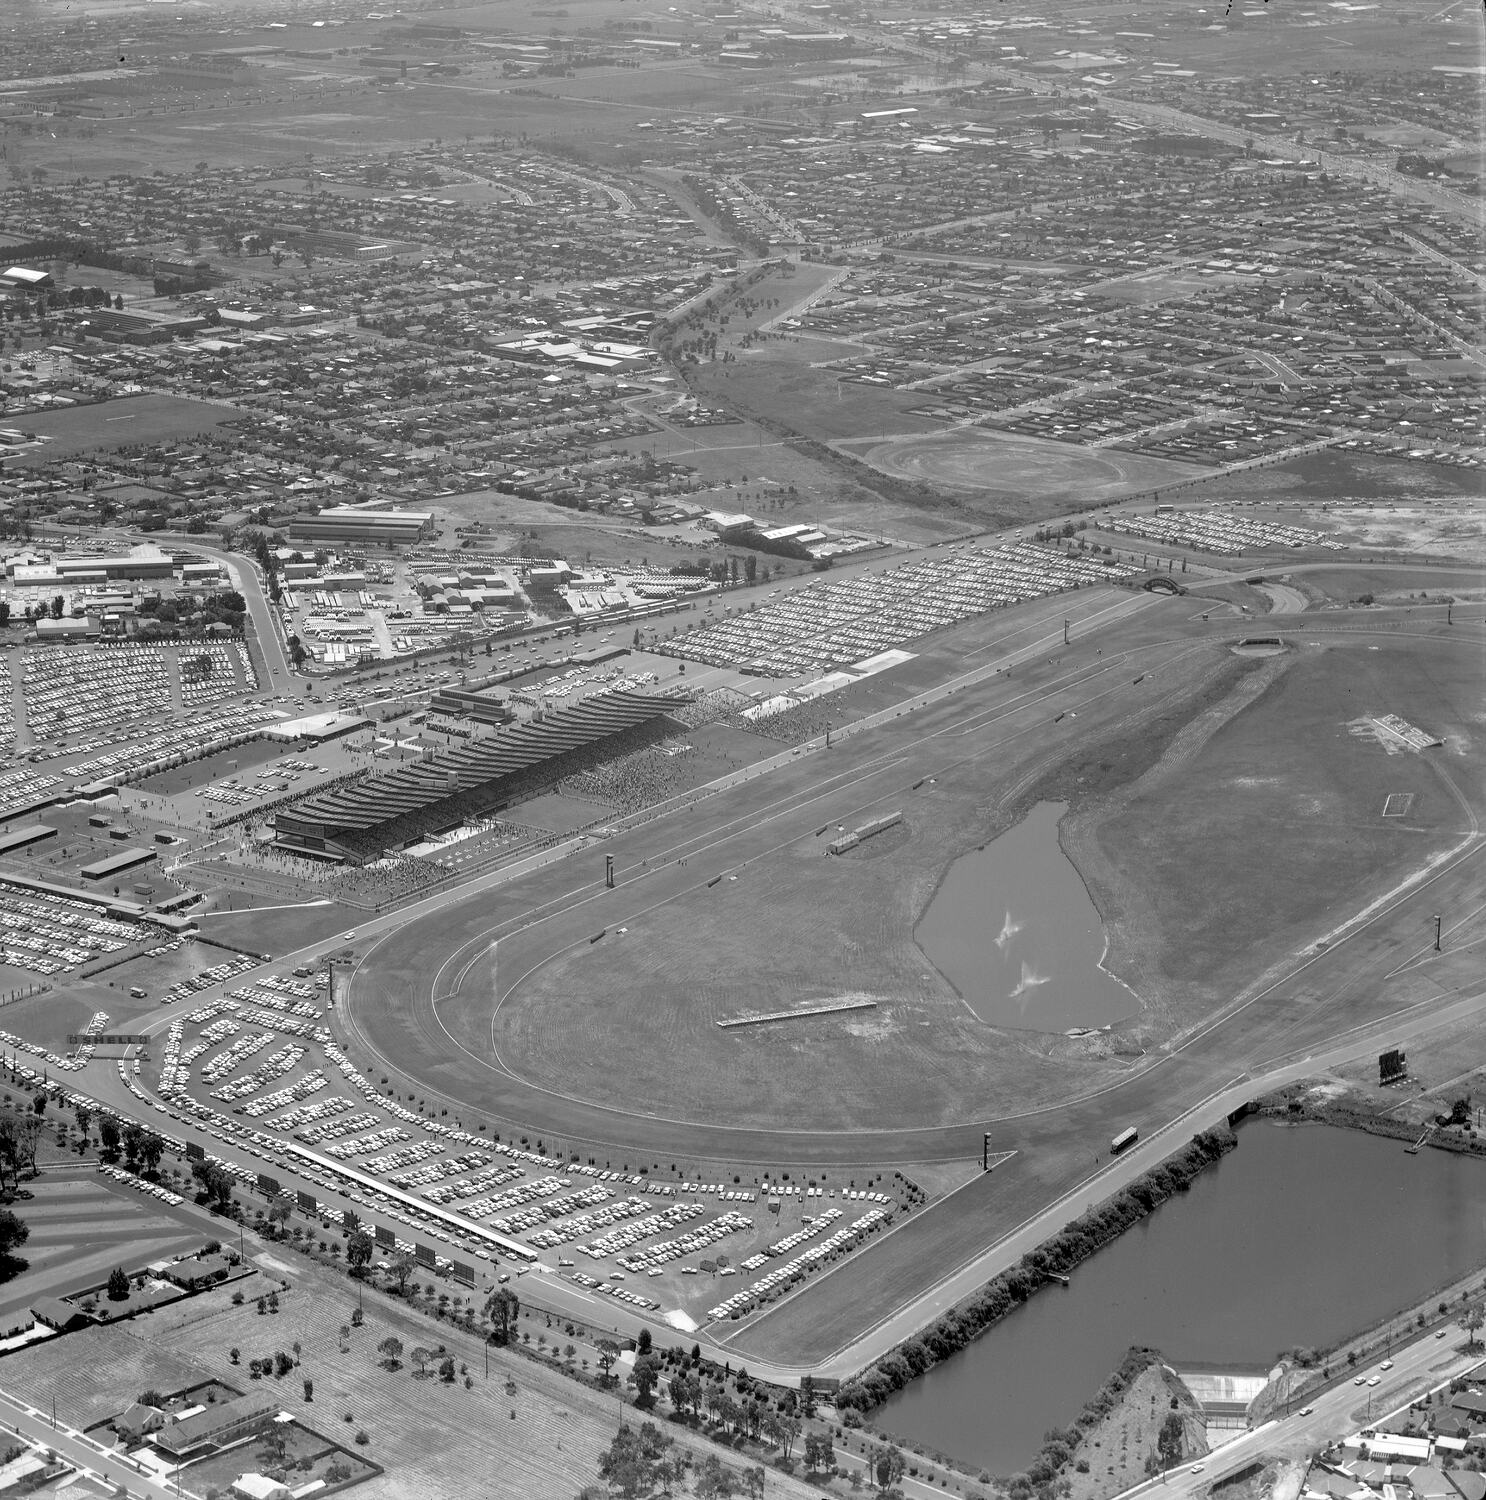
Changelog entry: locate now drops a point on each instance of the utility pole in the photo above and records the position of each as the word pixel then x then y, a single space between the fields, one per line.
pixel 1065 632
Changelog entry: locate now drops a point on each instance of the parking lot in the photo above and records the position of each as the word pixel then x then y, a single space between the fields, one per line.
pixel 256 1066
pixel 1227 533
pixel 828 624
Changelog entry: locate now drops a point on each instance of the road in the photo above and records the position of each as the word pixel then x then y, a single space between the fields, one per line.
pixel 80 1451
pixel 1339 1412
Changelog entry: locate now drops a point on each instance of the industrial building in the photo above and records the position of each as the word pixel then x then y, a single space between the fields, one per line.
pixel 139 562
pixel 349 523
pixel 365 818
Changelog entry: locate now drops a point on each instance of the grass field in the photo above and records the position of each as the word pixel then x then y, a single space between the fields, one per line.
pixel 81 1228
pixel 524 1433
pixel 795 927
pixel 1004 468
pixel 115 424
pixel 1295 800
pixel 1256 759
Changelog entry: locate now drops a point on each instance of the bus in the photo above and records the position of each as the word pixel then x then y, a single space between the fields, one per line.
pixel 1124 1140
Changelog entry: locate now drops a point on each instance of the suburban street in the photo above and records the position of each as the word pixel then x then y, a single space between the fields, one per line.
pixel 1344 1409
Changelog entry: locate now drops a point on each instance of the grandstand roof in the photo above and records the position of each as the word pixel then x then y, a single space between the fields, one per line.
pixel 365 804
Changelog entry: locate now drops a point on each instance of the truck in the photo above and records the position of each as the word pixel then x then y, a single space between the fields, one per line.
pixel 1124 1140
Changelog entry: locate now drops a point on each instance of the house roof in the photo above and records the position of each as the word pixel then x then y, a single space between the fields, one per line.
pixel 56 1313
pixel 192 1432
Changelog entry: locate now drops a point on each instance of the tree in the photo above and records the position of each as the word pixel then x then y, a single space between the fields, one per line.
pixel 403 1264
pixel 216 1183
pixel 275 1445
pixel 14 1232
pixel 886 1465
pixel 27 1136
pixel 819 1451
pixel 645 1377
pixel 715 1481
pixel 359 1251
pixel 11 1149
pixel 150 1148
pixel 84 1117
pixel 118 1285
pixel 420 1357
pixel 446 1370
pixel 502 1308
pixel 1171 1441
pixel 685 1392
pixel 1475 1315
pixel 391 1351
pixel 629 1464
pixel 608 1352
pixel 108 1134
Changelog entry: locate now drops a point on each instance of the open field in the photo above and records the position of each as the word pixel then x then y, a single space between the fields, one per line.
pixel 81 1228
pixel 540 1433
pixel 1167 783
pixel 115 424
pixel 1333 479
pixel 1000 468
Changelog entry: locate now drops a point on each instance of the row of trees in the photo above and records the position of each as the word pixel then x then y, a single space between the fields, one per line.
pixel 640 1461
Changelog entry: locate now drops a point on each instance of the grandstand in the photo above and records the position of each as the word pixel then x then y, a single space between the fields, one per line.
pixel 363 819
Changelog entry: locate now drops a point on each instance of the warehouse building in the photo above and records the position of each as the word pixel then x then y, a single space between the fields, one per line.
pixel 139 562
pixel 364 819
pixel 349 523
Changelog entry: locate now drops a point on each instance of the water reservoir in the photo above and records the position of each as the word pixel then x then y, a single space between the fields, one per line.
pixel 1012 928
pixel 1304 1235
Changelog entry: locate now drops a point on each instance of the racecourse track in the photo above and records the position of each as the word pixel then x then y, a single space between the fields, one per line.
pixel 425 994
pixel 1010 464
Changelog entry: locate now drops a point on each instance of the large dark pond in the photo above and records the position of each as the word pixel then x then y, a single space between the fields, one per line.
pixel 1303 1235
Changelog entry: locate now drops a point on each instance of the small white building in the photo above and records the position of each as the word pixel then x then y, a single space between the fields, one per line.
pixel 259 1487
